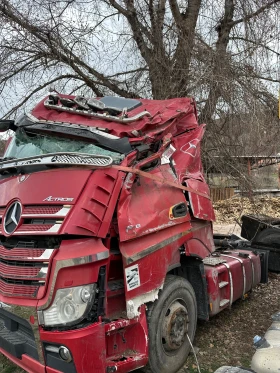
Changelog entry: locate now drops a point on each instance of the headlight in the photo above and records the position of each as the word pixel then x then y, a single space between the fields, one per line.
pixel 70 305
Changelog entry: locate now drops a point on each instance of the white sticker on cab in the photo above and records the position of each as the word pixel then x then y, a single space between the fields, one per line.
pixel 132 277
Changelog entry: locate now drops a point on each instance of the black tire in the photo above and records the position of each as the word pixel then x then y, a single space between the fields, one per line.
pixel 175 307
pixel 270 236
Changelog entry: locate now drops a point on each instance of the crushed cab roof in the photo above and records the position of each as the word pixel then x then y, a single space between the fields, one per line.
pixel 173 116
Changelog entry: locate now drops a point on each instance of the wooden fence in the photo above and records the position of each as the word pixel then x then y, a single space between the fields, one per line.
pixel 219 194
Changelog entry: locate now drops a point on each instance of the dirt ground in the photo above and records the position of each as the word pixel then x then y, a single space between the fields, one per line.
pixel 227 339
pixel 230 211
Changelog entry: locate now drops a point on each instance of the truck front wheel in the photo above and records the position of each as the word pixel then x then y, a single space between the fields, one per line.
pixel 170 319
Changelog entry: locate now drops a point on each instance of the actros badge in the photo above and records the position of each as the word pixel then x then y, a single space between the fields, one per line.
pixel 58 199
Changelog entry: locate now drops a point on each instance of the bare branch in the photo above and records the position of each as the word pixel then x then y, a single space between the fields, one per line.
pixel 254 14
pixel 37 89
pixel 258 43
pixel 59 50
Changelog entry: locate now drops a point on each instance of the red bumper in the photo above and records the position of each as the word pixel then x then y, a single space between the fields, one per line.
pixel 26 363
pixel 87 347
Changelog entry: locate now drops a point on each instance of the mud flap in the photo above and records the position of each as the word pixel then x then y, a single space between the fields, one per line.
pixel 193 270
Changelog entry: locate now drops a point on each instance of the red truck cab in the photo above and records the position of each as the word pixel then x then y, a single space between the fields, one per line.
pixel 107 256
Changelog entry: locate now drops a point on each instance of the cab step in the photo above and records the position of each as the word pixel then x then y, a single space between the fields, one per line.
pixel 224 302
pixel 223 284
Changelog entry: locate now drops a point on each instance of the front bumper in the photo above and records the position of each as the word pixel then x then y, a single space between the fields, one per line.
pixel 18 343
pixel 87 346
pixel 16 336
pixel 27 363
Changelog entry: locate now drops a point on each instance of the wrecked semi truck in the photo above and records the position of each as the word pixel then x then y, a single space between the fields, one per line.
pixel 107 256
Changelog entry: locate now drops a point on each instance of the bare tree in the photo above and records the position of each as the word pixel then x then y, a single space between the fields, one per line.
pixel 222 52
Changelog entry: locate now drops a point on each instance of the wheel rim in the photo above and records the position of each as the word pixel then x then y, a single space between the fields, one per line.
pixel 175 326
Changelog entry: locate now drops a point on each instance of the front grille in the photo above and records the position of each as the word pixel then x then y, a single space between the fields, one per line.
pixel 18 290
pixel 24 264
pixel 38 219
pixel 41 210
pixel 85 159
pixel 18 253
pixel 23 270
pixel 25 255
pixel 27 228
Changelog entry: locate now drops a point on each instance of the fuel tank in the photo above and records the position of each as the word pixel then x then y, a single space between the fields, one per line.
pixel 230 275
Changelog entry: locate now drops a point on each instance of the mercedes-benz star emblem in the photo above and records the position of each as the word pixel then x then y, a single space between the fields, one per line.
pixel 12 217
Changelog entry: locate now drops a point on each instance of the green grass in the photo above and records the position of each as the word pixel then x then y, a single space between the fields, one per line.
pixel 9 368
pixel 6 366
pixel 194 369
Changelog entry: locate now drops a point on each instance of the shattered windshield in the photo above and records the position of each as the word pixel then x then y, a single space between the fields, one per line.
pixel 25 145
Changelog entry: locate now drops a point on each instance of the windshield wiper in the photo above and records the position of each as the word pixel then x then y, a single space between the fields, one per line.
pixel 6 159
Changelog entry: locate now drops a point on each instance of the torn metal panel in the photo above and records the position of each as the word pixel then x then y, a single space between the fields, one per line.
pixel 187 161
pixel 152 255
pixel 166 116
pixel 176 235
pixel 201 207
pixel 144 206
pixel 133 305
pixel 201 244
pixel 188 166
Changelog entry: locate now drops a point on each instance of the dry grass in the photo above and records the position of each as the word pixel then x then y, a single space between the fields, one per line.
pixel 231 210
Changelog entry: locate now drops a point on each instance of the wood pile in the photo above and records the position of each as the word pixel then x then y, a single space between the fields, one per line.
pixel 230 210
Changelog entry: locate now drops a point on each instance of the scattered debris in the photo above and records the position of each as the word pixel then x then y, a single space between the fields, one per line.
pixel 230 210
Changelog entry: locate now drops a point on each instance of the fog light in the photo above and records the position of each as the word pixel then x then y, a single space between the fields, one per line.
pixel 65 354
